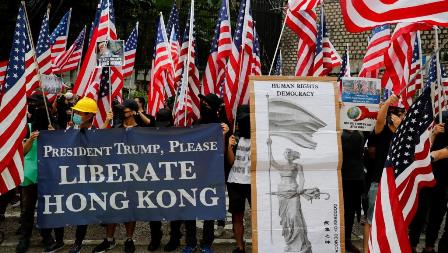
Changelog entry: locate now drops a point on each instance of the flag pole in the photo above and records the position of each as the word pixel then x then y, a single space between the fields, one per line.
pixel 35 62
pixel 108 37
pixel 420 59
pixel 439 83
pixel 190 45
pixel 278 42
pixel 269 174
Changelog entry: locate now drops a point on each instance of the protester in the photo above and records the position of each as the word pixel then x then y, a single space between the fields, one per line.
pixel 211 105
pixel 141 117
pixel 352 181
pixel 388 119
pixel 164 118
pixel 83 114
pixel 238 183
pixel 129 109
pixel 62 105
pixel 432 200
pixel 38 120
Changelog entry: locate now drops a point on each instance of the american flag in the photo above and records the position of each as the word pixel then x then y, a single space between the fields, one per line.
pixel 437 90
pixel 415 82
pixel 104 29
pixel 444 84
pixel 69 60
pixel 239 66
pixel 296 5
pixel 398 59
pixel 345 67
pixel 326 58
pixel 58 38
pixel 221 49
pixel 103 98
pixel 173 31
pixel 161 65
pixel 187 107
pixel 278 64
pixel 3 66
pixel 43 49
pixel 256 63
pixel 21 69
pixel 130 50
pixel 303 23
pixel 407 168
pixel 362 15
pixel 374 58
pixel 305 59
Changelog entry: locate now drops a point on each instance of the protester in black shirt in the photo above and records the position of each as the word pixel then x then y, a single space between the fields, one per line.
pixel 141 117
pixel 130 109
pixel 432 200
pixel 388 119
pixel 352 181
pixel 211 105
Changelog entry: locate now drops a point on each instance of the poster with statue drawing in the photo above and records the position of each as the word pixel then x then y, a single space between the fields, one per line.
pixel 296 156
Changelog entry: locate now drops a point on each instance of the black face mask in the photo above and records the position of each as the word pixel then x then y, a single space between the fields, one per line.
pixel 244 128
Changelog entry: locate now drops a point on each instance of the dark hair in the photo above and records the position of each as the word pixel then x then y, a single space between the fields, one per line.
pixel 141 100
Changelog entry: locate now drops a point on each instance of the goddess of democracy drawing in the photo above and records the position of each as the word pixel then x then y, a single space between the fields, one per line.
pixel 294 123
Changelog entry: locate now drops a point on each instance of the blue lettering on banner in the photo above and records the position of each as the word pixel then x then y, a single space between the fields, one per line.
pixel 138 174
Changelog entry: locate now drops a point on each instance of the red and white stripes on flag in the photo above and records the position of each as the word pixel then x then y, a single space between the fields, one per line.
pixel 326 58
pixel 300 5
pixel 407 169
pixel 305 59
pixel 130 50
pixel 239 66
pixel 399 57
pixel 3 66
pixel 58 37
pixel 104 30
pixel 69 60
pixel 43 48
pixel 13 119
pixel 187 108
pixel 362 15
pixel 303 23
pixel 415 77
pixel 377 47
pixel 221 49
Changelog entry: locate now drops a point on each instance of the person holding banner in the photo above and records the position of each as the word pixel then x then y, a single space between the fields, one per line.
pixel 38 121
pixel 238 183
pixel 129 108
pixel 211 109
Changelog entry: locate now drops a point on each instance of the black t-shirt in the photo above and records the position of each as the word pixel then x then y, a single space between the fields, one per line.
pixel 352 151
pixel 440 168
pixel 382 143
pixel 140 122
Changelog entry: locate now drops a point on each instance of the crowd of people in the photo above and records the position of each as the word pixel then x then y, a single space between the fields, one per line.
pixel 364 156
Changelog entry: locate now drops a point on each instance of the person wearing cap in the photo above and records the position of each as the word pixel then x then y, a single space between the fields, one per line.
pixel 83 114
pixel 211 109
pixel 238 182
pixel 129 110
pixel 388 119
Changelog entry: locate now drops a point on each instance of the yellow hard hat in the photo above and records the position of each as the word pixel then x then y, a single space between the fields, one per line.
pixel 85 104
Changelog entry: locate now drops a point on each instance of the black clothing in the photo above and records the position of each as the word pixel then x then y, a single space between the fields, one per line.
pixel 238 193
pixel 28 202
pixel 58 232
pixel 439 168
pixel 382 143
pixel 352 151
pixel 62 108
pixel 432 201
pixel 81 231
pixel 140 122
pixel 352 190
pixel 207 235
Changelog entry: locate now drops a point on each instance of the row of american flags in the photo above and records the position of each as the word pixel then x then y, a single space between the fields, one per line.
pixel 234 56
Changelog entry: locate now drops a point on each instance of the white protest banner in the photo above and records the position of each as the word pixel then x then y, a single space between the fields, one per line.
pixel 110 53
pixel 360 103
pixel 297 201
pixel 51 84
